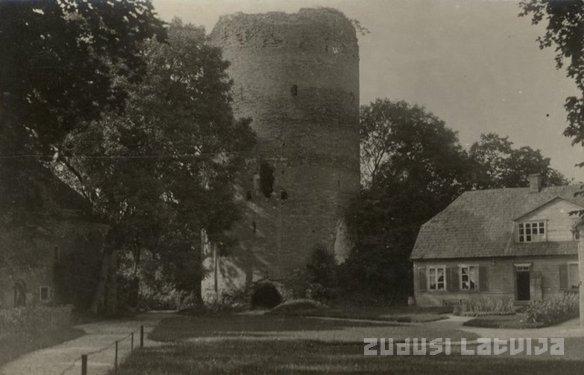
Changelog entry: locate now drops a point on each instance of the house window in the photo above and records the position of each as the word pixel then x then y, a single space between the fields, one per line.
pixel 437 278
pixel 573 276
pixel 532 231
pixel 45 293
pixel 469 278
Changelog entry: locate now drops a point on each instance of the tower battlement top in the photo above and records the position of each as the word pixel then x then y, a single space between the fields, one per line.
pixel 324 22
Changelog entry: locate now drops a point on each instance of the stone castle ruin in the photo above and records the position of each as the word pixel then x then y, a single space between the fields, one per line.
pixel 297 77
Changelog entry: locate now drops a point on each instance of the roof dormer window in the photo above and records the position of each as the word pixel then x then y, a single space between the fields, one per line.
pixel 532 231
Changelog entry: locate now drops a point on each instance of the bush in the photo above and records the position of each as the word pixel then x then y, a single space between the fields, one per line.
pixel 32 320
pixel 321 276
pixel 154 300
pixel 236 298
pixel 483 305
pixel 553 310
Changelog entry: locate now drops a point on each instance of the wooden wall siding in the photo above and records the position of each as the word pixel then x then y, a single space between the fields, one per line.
pixel 500 278
pixel 558 219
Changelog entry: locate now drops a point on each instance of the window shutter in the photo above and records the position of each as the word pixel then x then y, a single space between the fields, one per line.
pixel 422 279
pixel 452 282
pixel 563 276
pixel 483 278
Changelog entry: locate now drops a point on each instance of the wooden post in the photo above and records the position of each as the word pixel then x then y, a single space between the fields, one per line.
pixel 84 364
pixel 116 360
pixel 141 336
pixel 581 272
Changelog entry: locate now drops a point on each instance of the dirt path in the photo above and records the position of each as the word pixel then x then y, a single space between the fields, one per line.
pixel 100 339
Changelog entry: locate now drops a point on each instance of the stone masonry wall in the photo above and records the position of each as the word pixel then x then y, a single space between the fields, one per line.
pixel 297 77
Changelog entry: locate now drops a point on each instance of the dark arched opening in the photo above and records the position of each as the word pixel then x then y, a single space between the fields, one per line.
pixel 266 179
pixel 265 295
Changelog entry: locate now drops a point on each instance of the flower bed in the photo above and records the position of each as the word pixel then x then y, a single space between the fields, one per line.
pixel 553 310
pixel 479 306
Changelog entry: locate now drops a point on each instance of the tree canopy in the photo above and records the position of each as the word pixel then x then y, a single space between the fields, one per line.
pixel 565 31
pixel 59 66
pixel 164 168
pixel 413 166
pixel 403 143
pixel 61 59
pixel 500 165
pixel 133 115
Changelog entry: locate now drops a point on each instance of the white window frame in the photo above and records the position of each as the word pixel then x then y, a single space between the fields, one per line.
pixel 570 265
pixel 522 235
pixel 477 273
pixel 41 293
pixel 429 281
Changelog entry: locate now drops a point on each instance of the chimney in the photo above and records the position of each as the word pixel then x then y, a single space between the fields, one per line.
pixel 535 183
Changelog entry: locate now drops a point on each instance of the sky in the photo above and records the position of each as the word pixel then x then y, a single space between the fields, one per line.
pixel 473 63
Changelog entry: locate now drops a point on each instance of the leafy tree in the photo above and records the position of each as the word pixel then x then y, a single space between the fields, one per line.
pixel 163 169
pixel 414 167
pixel 59 66
pixel 500 165
pixel 564 30
pixel 401 142
pixel 61 58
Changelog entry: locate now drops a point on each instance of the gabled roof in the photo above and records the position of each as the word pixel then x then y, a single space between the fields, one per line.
pixel 480 224
pixel 554 199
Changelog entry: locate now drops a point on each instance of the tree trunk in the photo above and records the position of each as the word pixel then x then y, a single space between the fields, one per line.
pixel 198 294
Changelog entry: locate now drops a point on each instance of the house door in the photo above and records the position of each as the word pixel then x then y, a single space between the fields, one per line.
pixel 523 284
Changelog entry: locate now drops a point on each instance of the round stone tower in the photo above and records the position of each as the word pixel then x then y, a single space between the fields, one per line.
pixel 297 77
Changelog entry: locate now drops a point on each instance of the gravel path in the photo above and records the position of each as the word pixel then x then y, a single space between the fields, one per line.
pixel 100 337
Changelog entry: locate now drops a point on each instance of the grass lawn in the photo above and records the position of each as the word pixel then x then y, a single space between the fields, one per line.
pixel 258 357
pixel 289 327
pixel 13 346
pixel 502 321
pixel 506 321
pixel 256 344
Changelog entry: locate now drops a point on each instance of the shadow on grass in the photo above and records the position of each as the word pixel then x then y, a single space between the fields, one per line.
pixel 312 357
pixel 179 328
pixel 13 346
